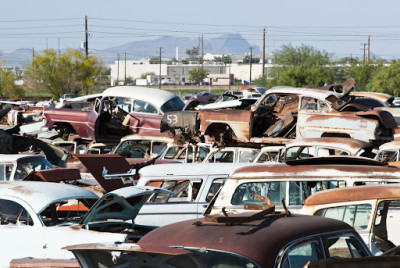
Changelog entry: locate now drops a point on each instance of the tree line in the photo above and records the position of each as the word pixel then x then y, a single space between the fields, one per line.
pixel 302 66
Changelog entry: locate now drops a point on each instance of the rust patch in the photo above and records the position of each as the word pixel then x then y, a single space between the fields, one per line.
pixel 357 193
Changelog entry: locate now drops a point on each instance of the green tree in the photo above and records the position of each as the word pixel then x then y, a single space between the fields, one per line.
pixel 61 74
pixel 363 74
pixel 193 53
pixel 261 81
pixel 304 66
pixel 387 79
pixel 7 85
pixel 144 75
pixel 155 60
pixel 246 59
pixel 225 59
pixel 197 74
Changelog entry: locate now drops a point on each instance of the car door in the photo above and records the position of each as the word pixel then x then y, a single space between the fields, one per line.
pixel 144 118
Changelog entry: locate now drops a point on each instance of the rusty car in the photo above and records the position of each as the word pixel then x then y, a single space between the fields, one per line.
pixel 256 240
pixel 254 187
pixel 373 210
pixel 49 216
pixel 283 113
pixel 120 111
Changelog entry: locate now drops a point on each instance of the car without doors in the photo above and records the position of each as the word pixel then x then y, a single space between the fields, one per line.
pixel 120 111
pixel 284 113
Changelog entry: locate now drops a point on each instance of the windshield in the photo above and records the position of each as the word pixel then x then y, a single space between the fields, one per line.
pixel 66 212
pixel 174 104
pixel 29 164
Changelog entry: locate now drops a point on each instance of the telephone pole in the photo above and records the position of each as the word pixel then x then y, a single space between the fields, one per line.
pixel 368 48
pixel 87 39
pixel 117 69
pixel 251 59
pixel 364 53
pixel 125 70
pixel 159 82
pixel 263 52
pixel 202 50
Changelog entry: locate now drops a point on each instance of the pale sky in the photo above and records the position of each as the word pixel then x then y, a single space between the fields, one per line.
pixel 340 27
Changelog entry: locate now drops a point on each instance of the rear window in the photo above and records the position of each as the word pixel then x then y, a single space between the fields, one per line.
pixel 356 216
pixel 174 104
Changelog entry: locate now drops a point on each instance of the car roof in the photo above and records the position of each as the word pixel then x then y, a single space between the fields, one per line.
pixel 155 96
pixel 355 193
pixel 10 158
pixel 39 195
pixel 393 145
pixel 282 170
pixel 151 137
pixel 260 240
pixel 313 92
pixel 351 145
pixel 191 169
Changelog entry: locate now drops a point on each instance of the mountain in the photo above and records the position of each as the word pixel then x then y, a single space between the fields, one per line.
pixel 226 44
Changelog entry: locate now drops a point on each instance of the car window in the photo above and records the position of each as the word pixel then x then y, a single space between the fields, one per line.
pixel 299 255
pixel 221 157
pixel 344 247
pixel 172 152
pixel 174 104
pixel 13 213
pixel 386 224
pixel 158 146
pixel 184 190
pixel 215 186
pixel 326 151
pixel 299 152
pixel 5 172
pixel 134 149
pixel 124 104
pixel 387 156
pixel 144 107
pixel 252 193
pixel 247 156
pixel 29 164
pixel 356 216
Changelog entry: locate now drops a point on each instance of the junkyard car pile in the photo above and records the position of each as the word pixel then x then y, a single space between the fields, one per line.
pixel 137 177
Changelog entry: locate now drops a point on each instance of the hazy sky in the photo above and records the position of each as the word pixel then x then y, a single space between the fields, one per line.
pixel 341 27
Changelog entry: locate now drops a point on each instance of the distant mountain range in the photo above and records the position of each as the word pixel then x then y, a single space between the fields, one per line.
pixel 225 44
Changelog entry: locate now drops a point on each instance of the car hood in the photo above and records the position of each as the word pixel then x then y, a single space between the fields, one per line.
pixel 121 204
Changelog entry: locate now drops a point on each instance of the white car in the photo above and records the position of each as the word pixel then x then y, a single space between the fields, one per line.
pixel 18 166
pixel 38 219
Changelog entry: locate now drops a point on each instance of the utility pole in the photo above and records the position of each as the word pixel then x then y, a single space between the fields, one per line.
pixel 87 39
pixel 59 51
pixel 159 79
pixel 117 69
pixel 368 48
pixel 33 55
pixel 263 52
pixel 202 51
pixel 364 53
pixel 125 70
pixel 251 59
